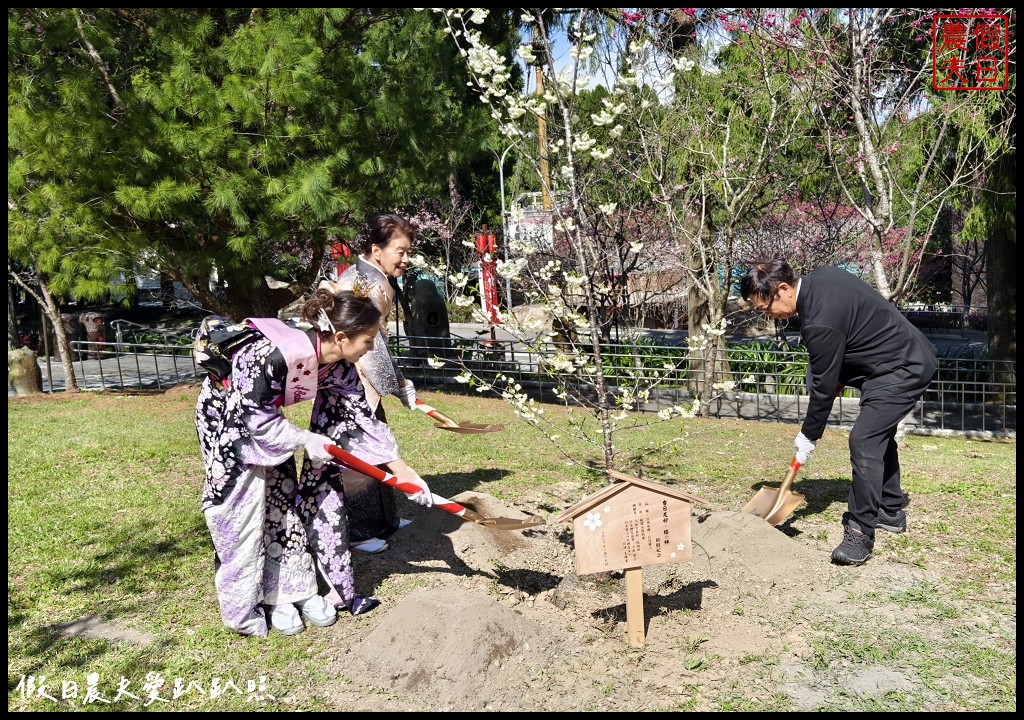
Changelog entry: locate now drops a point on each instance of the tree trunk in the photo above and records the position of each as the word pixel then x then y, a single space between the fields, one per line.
pixel 166 291
pixel 698 314
pixel 13 333
pixel 1001 263
pixel 60 337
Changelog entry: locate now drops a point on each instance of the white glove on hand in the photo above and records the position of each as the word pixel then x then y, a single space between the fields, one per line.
pixel 316 448
pixel 407 393
pixel 423 497
pixel 804 448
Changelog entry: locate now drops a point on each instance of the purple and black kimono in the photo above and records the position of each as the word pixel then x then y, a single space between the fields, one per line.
pixel 342 413
pixel 250 494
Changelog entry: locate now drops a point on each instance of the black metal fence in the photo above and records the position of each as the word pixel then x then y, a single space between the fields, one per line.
pixel 969 395
pixel 123 366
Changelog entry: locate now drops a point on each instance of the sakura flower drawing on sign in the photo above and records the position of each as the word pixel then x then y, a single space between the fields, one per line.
pixel 592 521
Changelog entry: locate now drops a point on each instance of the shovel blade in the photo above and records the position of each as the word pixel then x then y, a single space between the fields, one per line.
pixel 470 428
pixel 501 523
pixel 789 503
pixel 766 500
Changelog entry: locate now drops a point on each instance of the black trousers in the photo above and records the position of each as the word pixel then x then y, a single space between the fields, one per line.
pixel 874 455
pixel 370 505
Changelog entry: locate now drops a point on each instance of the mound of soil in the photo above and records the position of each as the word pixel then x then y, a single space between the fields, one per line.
pixel 476 618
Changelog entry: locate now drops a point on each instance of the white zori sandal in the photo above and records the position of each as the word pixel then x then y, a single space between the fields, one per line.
pixel 285 619
pixel 318 611
pixel 371 546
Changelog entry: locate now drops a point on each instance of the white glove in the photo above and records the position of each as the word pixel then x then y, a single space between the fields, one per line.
pixel 423 497
pixel 407 393
pixel 316 448
pixel 804 448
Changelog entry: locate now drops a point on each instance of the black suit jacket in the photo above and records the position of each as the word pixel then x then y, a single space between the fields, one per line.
pixel 857 338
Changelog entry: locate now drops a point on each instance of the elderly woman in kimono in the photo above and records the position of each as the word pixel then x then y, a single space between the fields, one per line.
pixel 360 425
pixel 250 497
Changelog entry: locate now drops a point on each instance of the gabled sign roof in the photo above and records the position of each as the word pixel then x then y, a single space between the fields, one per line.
pixel 624 481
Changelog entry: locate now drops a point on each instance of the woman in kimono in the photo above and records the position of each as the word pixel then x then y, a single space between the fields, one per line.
pixel 371 506
pixel 250 494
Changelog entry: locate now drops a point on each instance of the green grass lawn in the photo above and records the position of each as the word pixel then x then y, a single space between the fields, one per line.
pixel 104 520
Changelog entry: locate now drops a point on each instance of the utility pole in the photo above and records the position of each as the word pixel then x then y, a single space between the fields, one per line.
pixel 504 223
pixel 542 139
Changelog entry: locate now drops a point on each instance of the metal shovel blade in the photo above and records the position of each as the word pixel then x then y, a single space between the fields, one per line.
pixel 470 428
pixel 501 523
pixel 446 423
pixel 776 505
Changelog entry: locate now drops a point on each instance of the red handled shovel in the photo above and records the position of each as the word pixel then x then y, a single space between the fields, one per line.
pixel 446 423
pixel 351 461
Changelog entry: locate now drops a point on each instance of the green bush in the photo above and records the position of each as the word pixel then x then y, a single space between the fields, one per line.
pixel 642 359
pixel 457 314
pixel 153 337
pixel 775 370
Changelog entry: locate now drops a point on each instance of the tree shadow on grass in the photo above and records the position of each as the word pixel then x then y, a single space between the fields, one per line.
pixel 448 484
pixel 119 580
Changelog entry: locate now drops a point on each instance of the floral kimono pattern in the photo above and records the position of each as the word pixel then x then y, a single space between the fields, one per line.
pixel 249 496
pixel 372 507
pixel 340 412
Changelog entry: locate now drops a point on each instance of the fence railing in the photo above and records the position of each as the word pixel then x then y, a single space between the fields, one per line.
pixel 968 395
pixel 123 366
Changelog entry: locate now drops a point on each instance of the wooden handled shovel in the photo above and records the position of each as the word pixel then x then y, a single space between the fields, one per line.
pixel 446 423
pixel 776 505
pixel 351 461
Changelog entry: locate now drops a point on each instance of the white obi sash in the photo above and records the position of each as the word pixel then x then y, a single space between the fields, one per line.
pixel 299 354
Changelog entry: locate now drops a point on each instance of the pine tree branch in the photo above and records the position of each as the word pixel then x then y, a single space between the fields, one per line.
pixel 97 60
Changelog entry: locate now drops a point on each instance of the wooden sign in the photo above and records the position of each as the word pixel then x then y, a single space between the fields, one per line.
pixel 630 524
pixel 626 525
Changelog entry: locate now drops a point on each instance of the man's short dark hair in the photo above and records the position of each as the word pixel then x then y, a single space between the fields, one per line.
pixel 763 278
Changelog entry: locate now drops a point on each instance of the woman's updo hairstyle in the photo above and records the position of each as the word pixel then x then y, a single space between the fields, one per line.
pixel 344 311
pixel 382 229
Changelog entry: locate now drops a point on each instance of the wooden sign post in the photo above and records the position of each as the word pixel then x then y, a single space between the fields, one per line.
pixel 626 525
pixel 635 606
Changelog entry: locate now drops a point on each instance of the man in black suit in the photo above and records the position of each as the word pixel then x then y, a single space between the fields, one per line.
pixel 855 338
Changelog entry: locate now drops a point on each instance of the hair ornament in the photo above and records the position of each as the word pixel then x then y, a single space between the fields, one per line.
pixel 323 323
pixel 361 287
